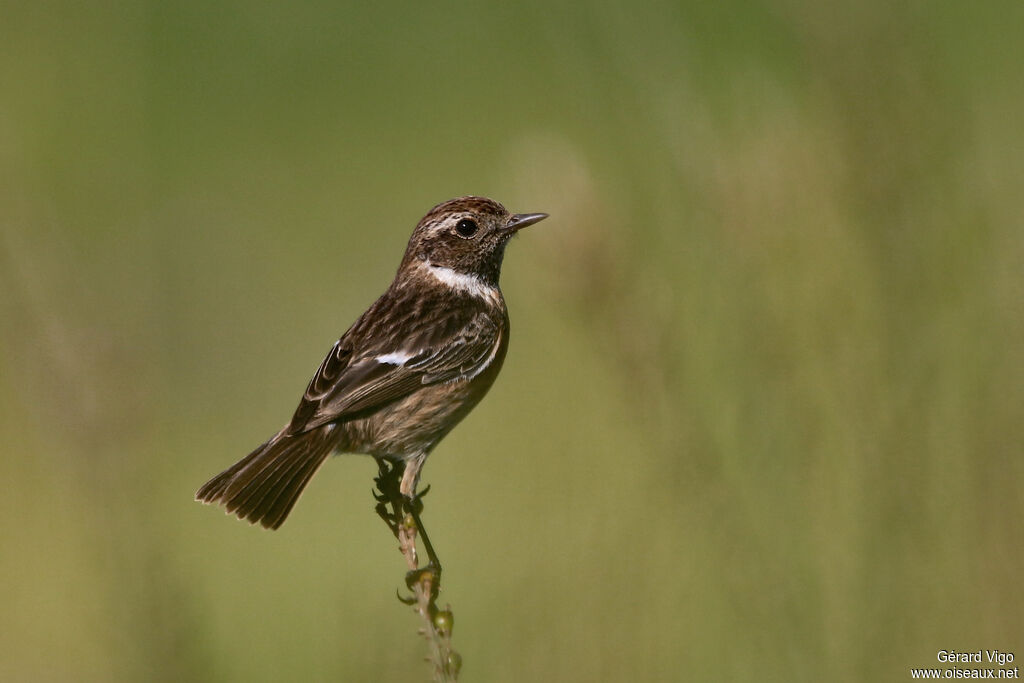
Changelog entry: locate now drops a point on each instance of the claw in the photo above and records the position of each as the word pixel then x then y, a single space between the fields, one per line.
pixel 418 575
pixel 390 501
pixel 409 602
pixel 416 501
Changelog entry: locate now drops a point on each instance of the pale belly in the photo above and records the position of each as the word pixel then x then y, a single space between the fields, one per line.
pixel 414 425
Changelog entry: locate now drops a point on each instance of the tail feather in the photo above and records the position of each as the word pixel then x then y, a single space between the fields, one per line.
pixel 264 485
pixel 256 498
pixel 282 505
pixel 212 490
pixel 261 476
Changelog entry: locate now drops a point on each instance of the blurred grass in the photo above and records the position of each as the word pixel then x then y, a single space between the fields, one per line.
pixel 761 417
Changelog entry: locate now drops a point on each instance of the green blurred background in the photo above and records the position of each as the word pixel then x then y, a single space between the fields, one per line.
pixel 763 411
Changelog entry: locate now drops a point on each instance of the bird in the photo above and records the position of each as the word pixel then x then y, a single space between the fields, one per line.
pixel 403 375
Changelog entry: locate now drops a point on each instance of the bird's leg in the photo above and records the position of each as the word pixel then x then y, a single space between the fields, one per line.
pixel 411 476
pixel 432 571
pixel 400 507
pixel 413 505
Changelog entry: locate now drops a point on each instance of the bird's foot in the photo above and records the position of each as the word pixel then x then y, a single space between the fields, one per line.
pixel 428 577
pixel 390 501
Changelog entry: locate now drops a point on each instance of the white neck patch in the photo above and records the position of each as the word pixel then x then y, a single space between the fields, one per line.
pixel 463 282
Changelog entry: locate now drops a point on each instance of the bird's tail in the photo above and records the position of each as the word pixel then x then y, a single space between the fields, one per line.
pixel 264 485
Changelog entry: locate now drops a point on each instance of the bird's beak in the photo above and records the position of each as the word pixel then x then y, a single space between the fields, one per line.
pixel 521 220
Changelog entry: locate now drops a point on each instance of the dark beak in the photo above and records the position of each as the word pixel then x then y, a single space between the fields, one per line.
pixel 521 220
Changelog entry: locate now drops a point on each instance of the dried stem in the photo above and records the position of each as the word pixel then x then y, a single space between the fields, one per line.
pixel 402 517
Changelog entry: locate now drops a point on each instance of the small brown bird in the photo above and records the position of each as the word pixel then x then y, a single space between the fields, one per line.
pixel 408 370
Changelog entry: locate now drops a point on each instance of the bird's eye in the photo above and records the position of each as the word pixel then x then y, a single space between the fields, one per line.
pixel 466 227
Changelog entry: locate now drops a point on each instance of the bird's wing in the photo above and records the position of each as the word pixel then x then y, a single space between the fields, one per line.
pixel 350 385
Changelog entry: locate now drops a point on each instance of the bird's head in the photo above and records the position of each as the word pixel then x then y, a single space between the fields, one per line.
pixel 467 237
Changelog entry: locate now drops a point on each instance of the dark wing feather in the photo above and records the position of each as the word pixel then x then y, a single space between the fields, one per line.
pixel 365 387
pixel 349 384
pixel 463 355
pixel 331 369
